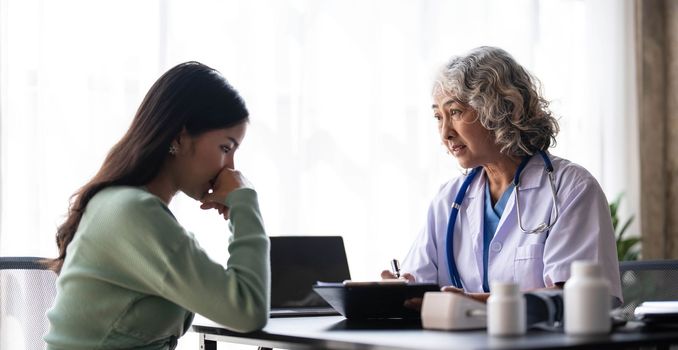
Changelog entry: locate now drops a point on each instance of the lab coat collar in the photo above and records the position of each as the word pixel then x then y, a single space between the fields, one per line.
pixel 531 177
pixel 534 172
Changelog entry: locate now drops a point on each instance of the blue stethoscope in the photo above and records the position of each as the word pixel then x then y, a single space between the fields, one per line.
pixel 548 167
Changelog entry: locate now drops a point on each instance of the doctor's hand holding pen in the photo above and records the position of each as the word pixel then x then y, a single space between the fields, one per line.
pixel 394 273
pixel 415 303
pixel 388 275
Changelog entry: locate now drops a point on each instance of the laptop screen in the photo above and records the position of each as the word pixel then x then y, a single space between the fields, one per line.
pixel 298 262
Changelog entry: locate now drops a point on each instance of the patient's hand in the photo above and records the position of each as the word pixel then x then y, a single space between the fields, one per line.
pixel 227 181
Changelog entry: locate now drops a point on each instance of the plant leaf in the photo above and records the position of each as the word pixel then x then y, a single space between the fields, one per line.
pixel 631 255
pixel 626 226
pixel 625 246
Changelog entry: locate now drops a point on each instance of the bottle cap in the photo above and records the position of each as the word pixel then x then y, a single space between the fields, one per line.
pixel 504 288
pixel 585 268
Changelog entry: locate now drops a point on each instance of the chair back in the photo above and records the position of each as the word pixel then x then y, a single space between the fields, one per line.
pixel 27 291
pixel 647 280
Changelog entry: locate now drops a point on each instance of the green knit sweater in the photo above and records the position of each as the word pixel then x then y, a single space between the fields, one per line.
pixel 133 277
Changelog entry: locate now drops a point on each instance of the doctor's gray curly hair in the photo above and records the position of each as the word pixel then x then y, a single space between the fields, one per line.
pixel 505 96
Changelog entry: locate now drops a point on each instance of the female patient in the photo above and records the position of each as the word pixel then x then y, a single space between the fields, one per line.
pixel 130 275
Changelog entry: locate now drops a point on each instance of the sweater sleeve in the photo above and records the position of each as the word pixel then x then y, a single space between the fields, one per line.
pixel 162 259
pixel 238 296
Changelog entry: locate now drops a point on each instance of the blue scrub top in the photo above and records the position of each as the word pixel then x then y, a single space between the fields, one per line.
pixel 492 216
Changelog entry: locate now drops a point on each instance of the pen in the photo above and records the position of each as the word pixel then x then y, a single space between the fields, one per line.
pixel 395 267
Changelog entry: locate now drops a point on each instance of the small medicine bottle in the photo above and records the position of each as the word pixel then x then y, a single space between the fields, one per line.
pixel 587 300
pixel 506 314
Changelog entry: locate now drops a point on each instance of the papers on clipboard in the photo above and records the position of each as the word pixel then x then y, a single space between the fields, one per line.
pixel 657 311
pixel 351 283
pixel 373 299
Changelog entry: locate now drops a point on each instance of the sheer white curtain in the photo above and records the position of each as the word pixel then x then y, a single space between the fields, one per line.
pixel 341 141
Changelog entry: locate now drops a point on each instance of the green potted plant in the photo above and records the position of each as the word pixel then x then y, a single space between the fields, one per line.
pixel 628 248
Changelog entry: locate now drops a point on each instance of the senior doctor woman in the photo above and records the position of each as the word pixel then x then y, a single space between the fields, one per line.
pixel 520 213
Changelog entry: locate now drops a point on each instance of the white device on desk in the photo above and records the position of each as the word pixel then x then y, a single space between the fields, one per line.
pixel 451 311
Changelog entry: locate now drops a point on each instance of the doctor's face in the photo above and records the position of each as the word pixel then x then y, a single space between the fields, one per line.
pixel 462 134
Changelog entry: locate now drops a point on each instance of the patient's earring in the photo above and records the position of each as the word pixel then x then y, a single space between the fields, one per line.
pixel 173 150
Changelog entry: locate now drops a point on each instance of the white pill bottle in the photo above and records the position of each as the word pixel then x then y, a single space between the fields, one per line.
pixel 506 315
pixel 587 300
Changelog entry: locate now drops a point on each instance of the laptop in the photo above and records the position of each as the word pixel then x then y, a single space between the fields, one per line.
pixel 297 263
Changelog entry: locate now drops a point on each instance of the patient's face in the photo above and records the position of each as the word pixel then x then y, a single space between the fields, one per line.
pixel 207 154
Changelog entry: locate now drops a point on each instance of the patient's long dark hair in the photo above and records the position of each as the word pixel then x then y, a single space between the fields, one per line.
pixel 190 95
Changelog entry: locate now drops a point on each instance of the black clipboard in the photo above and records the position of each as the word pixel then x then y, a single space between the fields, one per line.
pixel 373 300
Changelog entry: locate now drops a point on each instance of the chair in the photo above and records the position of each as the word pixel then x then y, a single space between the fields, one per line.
pixel 27 291
pixel 647 280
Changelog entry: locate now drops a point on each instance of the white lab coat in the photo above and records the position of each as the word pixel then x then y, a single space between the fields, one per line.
pixel 583 231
